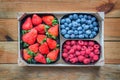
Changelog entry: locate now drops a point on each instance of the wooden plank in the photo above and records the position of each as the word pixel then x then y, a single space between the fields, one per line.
pixel 9 51
pixel 55 5
pixel 13 72
pixel 8 27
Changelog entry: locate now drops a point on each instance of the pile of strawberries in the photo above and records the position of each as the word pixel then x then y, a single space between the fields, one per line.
pixel 81 51
pixel 39 39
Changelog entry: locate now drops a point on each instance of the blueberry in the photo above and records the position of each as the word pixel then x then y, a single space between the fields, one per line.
pixel 95 23
pixel 78 20
pixel 72 36
pixel 80 32
pixel 75 16
pixel 70 25
pixel 89 17
pixel 86 27
pixel 62 26
pixel 85 16
pixel 86 36
pixel 91 26
pixel 66 35
pixel 70 16
pixel 75 24
pixel 83 20
pixel 63 31
pixel 88 32
pixel 81 36
pixel 89 21
pixel 68 20
pixel 83 25
pixel 79 28
pixel 93 18
pixel 94 33
pixel 66 24
pixel 67 28
pixel 78 24
pixel 80 16
pixel 73 28
pixel 91 36
pixel 75 32
pixel 62 21
pixel 95 28
pixel 77 36
pixel 70 32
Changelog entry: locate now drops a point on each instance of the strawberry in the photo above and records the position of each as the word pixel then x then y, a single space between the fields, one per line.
pixel 41 38
pixel 34 47
pixel 36 19
pixel 44 48
pixel 26 56
pixel 49 20
pixel 30 37
pixel 40 58
pixel 53 32
pixel 27 25
pixel 51 43
pixel 41 28
pixel 52 56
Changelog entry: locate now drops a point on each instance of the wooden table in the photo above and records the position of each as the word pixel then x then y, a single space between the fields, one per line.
pixel 9 70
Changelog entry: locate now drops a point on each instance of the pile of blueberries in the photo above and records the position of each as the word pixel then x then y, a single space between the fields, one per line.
pixel 79 26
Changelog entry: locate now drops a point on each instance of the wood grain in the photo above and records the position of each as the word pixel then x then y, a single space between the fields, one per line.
pixel 9 51
pixel 56 5
pixel 10 27
pixel 13 72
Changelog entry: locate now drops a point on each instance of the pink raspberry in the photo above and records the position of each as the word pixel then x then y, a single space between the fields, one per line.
pixel 92 60
pixel 71 56
pixel 91 43
pixel 73 60
pixel 96 51
pixel 86 55
pixel 88 51
pixel 68 42
pixel 68 47
pixel 73 42
pixel 71 51
pixel 82 53
pixel 90 48
pixel 64 55
pixel 65 50
pixel 74 47
pixel 77 53
pixel 96 46
pixel 80 42
pixel 81 58
pixel 78 47
pixel 91 54
pixel 67 59
pixel 64 46
pixel 86 61
pixel 95 57
pixel 85 43
pixel 83 48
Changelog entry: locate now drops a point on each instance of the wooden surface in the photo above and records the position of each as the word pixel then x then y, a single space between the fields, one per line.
pixel 9 70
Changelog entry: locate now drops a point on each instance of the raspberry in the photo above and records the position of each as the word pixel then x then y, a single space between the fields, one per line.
pixel 78 47
pixel 91 43
pixel 64 46
pixel 96 46
pixel 86 61
pixel 68 47
pixel 86 55
pixel 65 50
pixel 83 48
pixel 67 59
pixel 81 58
pixel 90 48
pixel 77 53
pixel 95 57
pixel 67 42
pixel 74 47
pixel 88 51
pixel 74 60
pixel 82 53
pixel 71 56
pixel 80 42
pixel 96 51
pixel 91 54
pixel 64 55
pixel 71 51
pixel 85 43
pixel 73 42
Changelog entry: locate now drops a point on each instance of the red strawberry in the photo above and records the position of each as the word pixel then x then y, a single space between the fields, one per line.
pixel 34 47
pixel 51 43
pixel 30 37
pixel 53 32
pixel 40 58
pixel 26 56
pixel 44 48
pixel 52 56
pixel 41 28
pixel 36 19
pixel 41 38
pixel 27 25
pixel 49 20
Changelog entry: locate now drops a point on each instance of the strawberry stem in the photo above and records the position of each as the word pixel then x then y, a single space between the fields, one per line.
pixel 48 60
pixel 54 22
pixel 25 44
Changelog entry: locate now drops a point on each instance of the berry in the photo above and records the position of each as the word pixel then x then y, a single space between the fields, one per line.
pixel 89 22
pixel 65 55
pixel 91 43
pixel 88 51
pixel 52 44
pixel 83 20
pixel 71 17
pixel 82 53
pixel 88 32
pixel 70 25
pixel 71 51
pixel 79 28
pixel 83 48
pixel 36 20
pixel 86 27
pixel 63 31
pixel 80 16
pixel 73 42
pixel 62 21
pixel 75 32
pixel 67 28
pixel 81 58
pixel 40 58
pixel 95 57
pixel 95 28
pixel 81 36
pixel 68 47
pixel 93 18
pixel 65 50
pixel 96 46
pixel 80 42
pixel 77 53
pixel 70 32
pixel 86 61
pixel 70 56
pixel 95 23
pixel 78 47
pixel 80 32
pixel 78 20
pixel 91 54
pixel 75 16
pixel 68 42
pixel 62 26
pixel 68 20
pixel 72 36
pixel 96 51
pixel 67 36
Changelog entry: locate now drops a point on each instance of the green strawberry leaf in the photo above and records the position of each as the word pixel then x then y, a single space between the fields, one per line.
pixel 58 45
pixel 48 60
pixel 31 53
pixel 50 36
pixel 29 60
pixel 24 32
pixel 25 44
pixel 54 22
pixel 46 28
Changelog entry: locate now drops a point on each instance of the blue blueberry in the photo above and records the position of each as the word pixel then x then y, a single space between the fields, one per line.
pixel 62 21
pixel 80 32
pixel 86 27
pixel 70 25
pixel 66 24
pixel 68 20
pixel 95 28
pixel 83 20
pixel 88 32
pixel 75 24
pixel 95 23
pixel 89 21
pixel 86 36
pixel 75 32
pixel 72 36
pixel 77 36
pixel 94 33
pixel 78 24
pixel 62 26
pixel 75 16
pixel 67 28
pixel 83 25
pixel 70 16
pixel 80 16
pixel 63 31
pixel 91 26
pixel 93 19
pixel 89 17
pixel 79 28
pixel 81 36
pixel 73 28
pixel 78 20
pixel 70 32
pixel 91 36
pixel 66 35
pixel 85 16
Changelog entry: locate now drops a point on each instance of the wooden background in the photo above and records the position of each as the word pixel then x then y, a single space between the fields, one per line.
pixel 9 70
